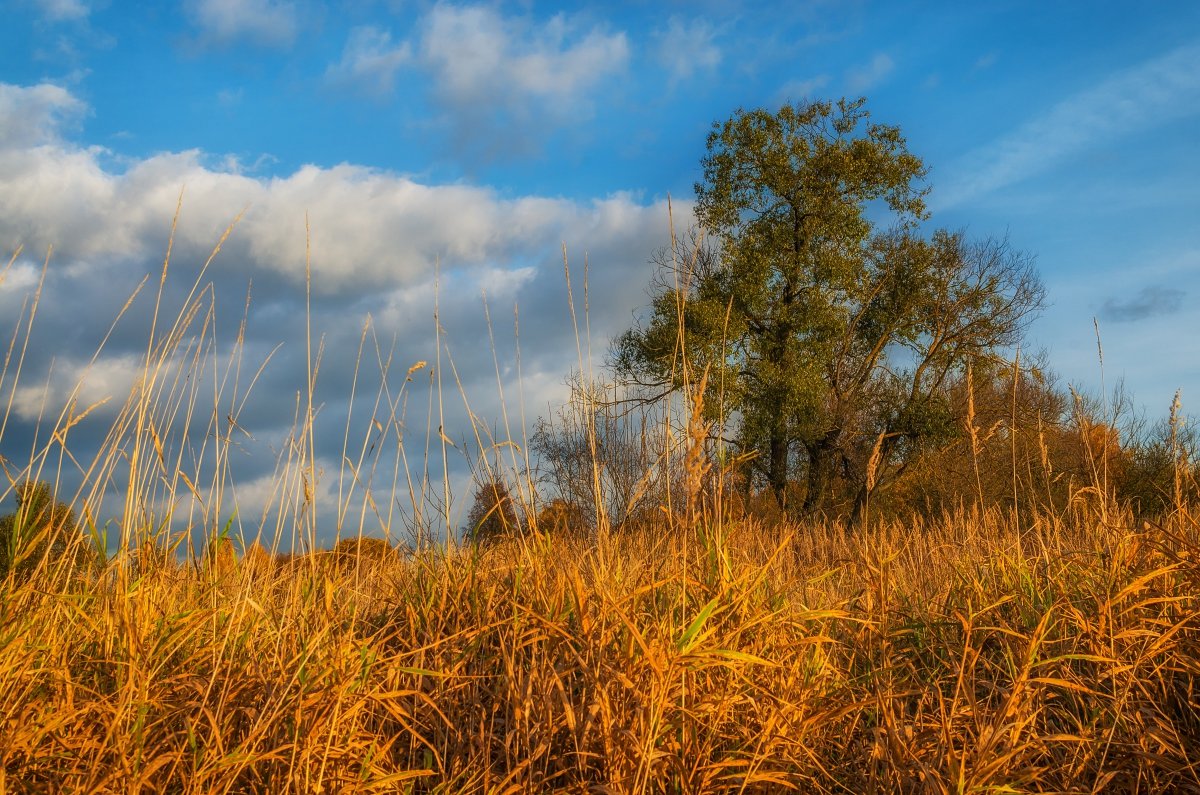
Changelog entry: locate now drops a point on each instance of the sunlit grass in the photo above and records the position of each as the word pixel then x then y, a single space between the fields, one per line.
pixel 960 657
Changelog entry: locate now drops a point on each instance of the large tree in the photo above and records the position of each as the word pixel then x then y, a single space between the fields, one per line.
pixel 828 324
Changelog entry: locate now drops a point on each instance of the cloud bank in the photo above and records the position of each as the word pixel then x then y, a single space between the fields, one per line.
pixel 383 248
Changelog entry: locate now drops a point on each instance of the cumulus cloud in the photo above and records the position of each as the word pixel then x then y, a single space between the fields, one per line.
pixel 369 61
pixel 1141 97
pixel 490 71
pixel 687 47
pixel 480 56
pixel 267 22
pixel 89 384
pixel 370 228
pixel 35 114
pixel 870 75
pixel 1154 301
pixel 383 247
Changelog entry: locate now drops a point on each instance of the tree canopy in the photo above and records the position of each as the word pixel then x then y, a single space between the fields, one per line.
pixel 829 322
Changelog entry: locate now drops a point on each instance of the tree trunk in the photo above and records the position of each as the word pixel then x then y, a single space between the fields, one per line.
pixel 778 472
pixel 820 471
pixel 860 505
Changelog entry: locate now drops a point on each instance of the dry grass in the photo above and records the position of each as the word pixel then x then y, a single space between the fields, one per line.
pixel 971 654
pixel 961 657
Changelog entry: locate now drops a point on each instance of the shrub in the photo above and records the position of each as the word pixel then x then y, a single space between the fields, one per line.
pixel 493 514
pixel 41 529
pixel 562 518
pixel 220 556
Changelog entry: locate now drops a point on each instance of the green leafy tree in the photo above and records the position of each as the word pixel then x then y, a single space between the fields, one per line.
pixel 42 528
pixel 493 514
pixel 829 337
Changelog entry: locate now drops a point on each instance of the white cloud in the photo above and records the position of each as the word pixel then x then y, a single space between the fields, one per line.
pixel 868 76
pixel 267 22
pixel 685 48
pixel 63 10
pixel 108 380
pixel 370 61
pixel 478 55
pixel 376 238
pixel 985 61
pixel 799 90
pixel 490 71
pixel 370 228
pixel 1138 98
pixel 503 82
pixel 34 115
pixel 230 97
pixel 19 277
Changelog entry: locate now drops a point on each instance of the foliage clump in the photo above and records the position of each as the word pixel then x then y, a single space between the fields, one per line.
pixel 493 515
pixel 41 530
pixel 561 518
pixel 220 556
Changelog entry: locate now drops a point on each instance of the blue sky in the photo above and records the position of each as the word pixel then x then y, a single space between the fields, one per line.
pixel 484 137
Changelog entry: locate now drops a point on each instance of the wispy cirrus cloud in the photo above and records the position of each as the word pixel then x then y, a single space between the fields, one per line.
pixel 686 47
pixel 63 10
pixel 1132 100
pixel 871 74
pixel 370 61
pixel 985 61
pixel 800 90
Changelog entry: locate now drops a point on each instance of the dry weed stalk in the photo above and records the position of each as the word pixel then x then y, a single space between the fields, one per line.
pixel 695 463
pixel 973 431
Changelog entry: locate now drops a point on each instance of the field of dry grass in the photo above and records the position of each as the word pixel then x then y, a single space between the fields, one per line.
pixel 967 656
pixel 982 652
